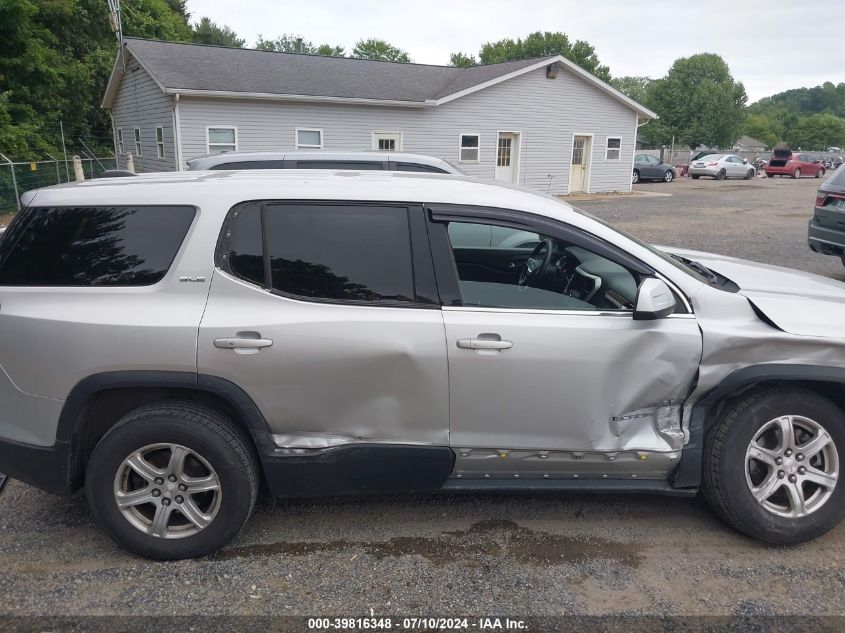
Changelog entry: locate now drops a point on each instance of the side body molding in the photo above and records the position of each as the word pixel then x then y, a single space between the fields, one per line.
pixel 688 473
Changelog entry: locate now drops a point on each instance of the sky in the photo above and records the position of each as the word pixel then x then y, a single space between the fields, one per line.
pixel 770 45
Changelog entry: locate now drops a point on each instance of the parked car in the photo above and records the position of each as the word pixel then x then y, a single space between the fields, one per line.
pixel 721 166
pixel 332 333
pixel 648 167
pixel 390 161
pixel 785 162
pixel 826 233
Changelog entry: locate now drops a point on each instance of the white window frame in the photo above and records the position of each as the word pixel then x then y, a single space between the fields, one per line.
pixel 608 149
pixel 139 149
pixel 304 145
pixel 398 133
pixel 160 142
pixel 120 149
pixel 461 147
pixel 208 142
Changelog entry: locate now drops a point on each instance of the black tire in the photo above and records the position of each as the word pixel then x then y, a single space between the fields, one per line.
pixel 635 177
pixel 724 472
pixel 696 177
pixel 770 175
pixel 721 175
pixel 820 173
pixel 796 174
pixel 198 428
pixel 749 175
pixel 669 176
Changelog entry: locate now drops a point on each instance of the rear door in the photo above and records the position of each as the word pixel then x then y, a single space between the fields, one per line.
pixel 325 313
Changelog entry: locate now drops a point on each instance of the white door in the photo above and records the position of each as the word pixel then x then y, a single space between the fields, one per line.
pixel 580 164
pixel 507 156
pixel 387 141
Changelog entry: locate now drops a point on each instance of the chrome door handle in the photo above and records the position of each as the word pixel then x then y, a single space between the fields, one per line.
pixel 242 343
pixel 480 343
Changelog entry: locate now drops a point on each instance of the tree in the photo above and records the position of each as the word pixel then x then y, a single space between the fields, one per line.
pixel 760 127
pixel 634 87
pixel 290 43
pixel 699 101
pixel 379 50
pixel 460 60
pixel 207 32
pixel 818 131
pixel 544 45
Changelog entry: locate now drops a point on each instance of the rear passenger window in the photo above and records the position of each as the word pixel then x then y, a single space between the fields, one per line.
pixel 337 252
pixel 93 246
pixel 431 169
pixel 252 164
pixel 244 250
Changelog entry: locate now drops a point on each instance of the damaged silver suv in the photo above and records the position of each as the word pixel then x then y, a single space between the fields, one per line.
pixel 172 342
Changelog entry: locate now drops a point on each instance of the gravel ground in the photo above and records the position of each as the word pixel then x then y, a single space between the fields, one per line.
pixel 467 554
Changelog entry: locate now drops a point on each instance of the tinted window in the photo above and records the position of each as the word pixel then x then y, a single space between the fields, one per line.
pixel 838 177
pixel 338 164
pixel 416 167
pixel 243 247
pixel 93 246
pixel 352 253
pixel 252 164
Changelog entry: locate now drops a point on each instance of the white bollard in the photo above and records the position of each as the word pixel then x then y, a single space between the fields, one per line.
pixel 130 163
pixel 77 169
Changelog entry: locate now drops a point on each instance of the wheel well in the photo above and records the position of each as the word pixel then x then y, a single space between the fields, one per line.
pixel 106 408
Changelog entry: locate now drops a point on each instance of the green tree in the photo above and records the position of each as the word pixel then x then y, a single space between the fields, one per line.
pixel 699 101
pixel 291 43
pixel 762 128
pixel 379 50
pixel 818 132
pixel 207 32
pixel 461 60
pixel 634 87
pixel 543 45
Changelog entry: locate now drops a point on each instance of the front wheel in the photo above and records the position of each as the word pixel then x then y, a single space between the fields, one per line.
pixel 749 175
pixel 770 175
pixel 635 177
pixel 172 480
pixel 772 463
pixel 669 176
pixel 696 177
pixel 820 173
pixel 796 173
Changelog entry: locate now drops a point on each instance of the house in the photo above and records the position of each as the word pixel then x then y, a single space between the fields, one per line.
pixel 545 123
pixel 748 144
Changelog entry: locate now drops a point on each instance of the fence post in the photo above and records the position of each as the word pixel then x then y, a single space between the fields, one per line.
pixel 130 162
pixel 14 181
pixel 77 169
pixel 58 175
pixel 91 165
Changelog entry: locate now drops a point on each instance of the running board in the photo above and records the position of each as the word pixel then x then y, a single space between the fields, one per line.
pixel 659 487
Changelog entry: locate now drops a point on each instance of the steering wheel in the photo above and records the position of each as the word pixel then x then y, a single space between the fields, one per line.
pixel 537 262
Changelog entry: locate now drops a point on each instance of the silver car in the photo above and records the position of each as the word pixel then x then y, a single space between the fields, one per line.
pixel 721 166
pixel 361 161
pixel 171 342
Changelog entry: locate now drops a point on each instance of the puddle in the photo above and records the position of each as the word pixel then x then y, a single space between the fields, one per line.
pixel 483 539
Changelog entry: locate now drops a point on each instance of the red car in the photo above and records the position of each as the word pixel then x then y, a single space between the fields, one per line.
pixel 785 162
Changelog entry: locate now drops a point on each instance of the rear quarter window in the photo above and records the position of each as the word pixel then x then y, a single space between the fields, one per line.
pixel 93 246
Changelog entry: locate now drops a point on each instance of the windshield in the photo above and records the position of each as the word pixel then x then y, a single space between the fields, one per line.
pixel 711 157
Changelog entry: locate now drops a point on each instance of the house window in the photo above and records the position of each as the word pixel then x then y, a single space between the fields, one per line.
pixel 160 142
pixel 614 148
pixel 309 139
pixel 138 142
pixel 119 142
pixel 222 139
pixel 387 141
pixel 469 148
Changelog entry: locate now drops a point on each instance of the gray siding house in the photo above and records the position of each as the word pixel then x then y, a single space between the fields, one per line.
pixel 545 123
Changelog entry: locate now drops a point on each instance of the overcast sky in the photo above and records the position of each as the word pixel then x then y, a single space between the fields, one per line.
pixel 770 45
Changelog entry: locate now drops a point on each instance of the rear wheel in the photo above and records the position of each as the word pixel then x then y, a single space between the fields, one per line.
pixel 172 480
pixel 669 176
pixel 721 175
pixel 770 175
pixel 635 177
pixel 796 173
pixel 772 464
pixel 696 177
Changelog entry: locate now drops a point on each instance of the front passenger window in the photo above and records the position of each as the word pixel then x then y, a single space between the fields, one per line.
pixel 505 267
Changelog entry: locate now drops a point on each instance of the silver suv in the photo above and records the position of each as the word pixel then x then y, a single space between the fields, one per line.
pixel 173 342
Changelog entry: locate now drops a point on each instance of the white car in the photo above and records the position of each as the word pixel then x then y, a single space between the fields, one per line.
pixel 721 166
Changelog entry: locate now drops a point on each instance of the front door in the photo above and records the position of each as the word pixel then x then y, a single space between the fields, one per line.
pixel 544 353
pixel 507 156
pixel 580 164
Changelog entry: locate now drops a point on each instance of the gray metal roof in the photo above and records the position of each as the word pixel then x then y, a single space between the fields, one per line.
pixel 216 68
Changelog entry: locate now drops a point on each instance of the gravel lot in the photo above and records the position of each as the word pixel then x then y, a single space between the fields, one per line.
pixel 473 554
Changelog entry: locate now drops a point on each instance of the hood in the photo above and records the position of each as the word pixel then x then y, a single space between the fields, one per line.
pixel 796 302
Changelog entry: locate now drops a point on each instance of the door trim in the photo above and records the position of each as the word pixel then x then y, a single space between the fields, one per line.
pixel 517 166
pixel 589 165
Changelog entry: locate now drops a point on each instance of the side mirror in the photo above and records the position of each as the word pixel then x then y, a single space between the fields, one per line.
pixel 654 300
pixel 745 161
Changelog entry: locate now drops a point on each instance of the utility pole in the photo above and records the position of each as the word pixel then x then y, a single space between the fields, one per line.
pixel 64 150
pixel 117 27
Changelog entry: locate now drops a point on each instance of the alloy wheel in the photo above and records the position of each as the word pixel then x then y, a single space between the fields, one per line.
pixel 167 491
pixel 635 177
pixel 791 466
pixel 668 176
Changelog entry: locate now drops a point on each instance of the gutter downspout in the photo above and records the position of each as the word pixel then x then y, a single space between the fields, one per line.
pixel 177 132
